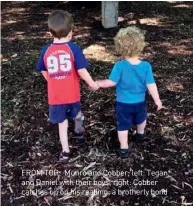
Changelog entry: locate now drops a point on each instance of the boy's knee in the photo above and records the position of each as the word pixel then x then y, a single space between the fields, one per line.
pixel 79 117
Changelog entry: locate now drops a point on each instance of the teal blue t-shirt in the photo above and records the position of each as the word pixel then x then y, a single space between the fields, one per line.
pixel 131 80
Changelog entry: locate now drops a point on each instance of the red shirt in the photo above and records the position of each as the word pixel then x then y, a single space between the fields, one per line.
pixel 62 61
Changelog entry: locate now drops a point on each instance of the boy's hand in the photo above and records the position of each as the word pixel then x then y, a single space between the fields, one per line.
pixel 159 105
pixel 94 86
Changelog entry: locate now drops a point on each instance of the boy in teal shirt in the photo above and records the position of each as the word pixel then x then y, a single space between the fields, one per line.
pixel 132 78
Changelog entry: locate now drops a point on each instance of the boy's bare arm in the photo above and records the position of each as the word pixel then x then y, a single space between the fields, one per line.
pixel 45 74
pixel 105 83
pixel 152 88
pixel 83 73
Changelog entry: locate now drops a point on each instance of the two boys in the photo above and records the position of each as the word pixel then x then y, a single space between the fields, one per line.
pixel 62 62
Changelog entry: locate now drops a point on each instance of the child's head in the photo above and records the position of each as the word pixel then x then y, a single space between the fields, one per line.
pixel 60 23
pixel 130 42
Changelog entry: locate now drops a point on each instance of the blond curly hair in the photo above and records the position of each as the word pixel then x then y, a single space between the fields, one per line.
pixel 130 41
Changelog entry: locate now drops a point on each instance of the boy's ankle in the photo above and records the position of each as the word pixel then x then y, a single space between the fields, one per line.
pixel 66 151
pixel 124 147
pixel 140 135
pixel 124 153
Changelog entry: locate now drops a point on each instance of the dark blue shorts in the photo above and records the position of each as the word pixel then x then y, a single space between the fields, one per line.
pixel 129 114
pixel 59 113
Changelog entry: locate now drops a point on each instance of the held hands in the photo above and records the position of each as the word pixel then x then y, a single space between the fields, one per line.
pixel 94 86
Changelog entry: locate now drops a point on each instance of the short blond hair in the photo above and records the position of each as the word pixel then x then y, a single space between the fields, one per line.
pixel 130 41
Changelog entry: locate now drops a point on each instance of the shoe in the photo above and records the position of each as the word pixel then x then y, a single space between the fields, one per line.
pixel 124 153
pixel 80 139
pixel 64 157
pixel 139 138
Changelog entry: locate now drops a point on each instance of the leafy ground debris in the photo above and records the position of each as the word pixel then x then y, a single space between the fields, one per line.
pixel 30 142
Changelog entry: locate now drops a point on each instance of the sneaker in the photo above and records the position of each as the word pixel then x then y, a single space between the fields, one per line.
pixel 124 153
pixel 139 138
pixel 64 157
pixel 80 139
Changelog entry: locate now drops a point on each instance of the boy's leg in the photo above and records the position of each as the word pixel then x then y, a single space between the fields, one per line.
pixel 79 123
pixel 63 133
pixel 141 128
pixel 123 139
pixel 79 128
pixel 140 121
pixel 124 122
pixel 139 136
pixel 124 147
pixel 77 115
pixel 58 114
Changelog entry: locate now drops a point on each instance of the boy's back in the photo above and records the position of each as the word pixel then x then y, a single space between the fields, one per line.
pixel 61 60
pixel 131 80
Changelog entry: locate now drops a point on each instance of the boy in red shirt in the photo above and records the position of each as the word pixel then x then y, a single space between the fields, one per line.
pixel 61 62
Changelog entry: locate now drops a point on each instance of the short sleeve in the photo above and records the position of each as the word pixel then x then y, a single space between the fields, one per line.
pixel 115 73
pixel 149 77
pixel 79 58
pixel 40 66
